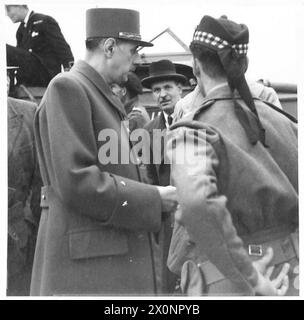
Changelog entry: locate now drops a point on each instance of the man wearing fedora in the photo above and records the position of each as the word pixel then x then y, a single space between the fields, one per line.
pixel 166 86
pixel 97 217
pixel 236 230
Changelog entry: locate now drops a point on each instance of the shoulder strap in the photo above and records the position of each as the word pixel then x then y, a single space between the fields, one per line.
pixel 209 103
pixel 286 114
pixel 206 105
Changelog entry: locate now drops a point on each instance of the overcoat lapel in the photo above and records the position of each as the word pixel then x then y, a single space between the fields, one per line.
pixel 92 76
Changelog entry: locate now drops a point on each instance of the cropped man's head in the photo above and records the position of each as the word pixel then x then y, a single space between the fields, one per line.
pixel 16 13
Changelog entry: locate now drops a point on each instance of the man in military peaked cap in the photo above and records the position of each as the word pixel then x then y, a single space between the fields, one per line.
pixel 97 217
pixel 236 231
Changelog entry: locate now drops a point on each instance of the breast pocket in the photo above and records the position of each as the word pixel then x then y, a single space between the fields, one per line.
pixel 97 243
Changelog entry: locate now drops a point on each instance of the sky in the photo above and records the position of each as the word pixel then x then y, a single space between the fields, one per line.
pixel 273 26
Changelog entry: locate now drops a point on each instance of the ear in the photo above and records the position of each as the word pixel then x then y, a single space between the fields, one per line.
pixel 196 67
pixel 123 91
pixel 109 46
pixel 180 87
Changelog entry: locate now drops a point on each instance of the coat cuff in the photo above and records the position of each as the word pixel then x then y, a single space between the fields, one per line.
pixel 138 206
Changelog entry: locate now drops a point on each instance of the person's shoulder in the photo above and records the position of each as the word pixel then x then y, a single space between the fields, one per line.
pixel 67 85
pixel 40 18
pixel 152 124
pixel 64 78
pixel 21 107
pixel 190 124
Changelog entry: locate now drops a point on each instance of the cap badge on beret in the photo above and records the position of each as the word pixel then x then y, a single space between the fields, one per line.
pixel 217 43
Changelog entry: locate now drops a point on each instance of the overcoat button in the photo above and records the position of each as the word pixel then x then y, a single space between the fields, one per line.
pixel 14 234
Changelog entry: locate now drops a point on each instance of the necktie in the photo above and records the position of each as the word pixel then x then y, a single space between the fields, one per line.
pixel 22 30
pixel 170 119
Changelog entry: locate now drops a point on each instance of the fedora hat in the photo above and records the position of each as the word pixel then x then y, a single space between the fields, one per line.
pixel 114 23
pixel 160 71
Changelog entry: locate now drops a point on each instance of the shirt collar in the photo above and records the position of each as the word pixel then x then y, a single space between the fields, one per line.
pixel 27 18
pixel 219 86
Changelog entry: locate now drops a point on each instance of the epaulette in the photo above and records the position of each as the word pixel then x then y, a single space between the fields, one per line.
pixel 37 21
pixel 196 125
pixel 205 106
pixel 190 119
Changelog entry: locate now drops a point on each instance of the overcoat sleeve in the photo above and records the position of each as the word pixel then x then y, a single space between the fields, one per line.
pixel 74 171
pixel 203 210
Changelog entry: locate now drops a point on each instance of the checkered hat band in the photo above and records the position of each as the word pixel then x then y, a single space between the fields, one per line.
pixel 219 43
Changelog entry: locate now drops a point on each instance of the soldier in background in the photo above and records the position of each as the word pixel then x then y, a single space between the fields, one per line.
pixel 41 49
pixel 24 184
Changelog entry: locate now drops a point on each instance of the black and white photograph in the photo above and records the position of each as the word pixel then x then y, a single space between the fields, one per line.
pixel 151 150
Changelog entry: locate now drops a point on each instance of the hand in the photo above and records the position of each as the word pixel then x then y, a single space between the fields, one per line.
pixel 265 286
pixel 168 198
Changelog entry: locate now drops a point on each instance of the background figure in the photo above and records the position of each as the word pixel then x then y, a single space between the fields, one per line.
pixel 41 48
pixel 195 99
pixel 236 231
pixel 128 95
pixel 95 230
pixel 24 184
pixel 166 86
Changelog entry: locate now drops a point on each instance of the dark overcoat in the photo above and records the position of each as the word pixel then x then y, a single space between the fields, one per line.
pixel 159 174
pixel 94 235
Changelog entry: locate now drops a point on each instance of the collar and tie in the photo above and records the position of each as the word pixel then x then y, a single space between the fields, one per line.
pixel 22 28
pixel 170 119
